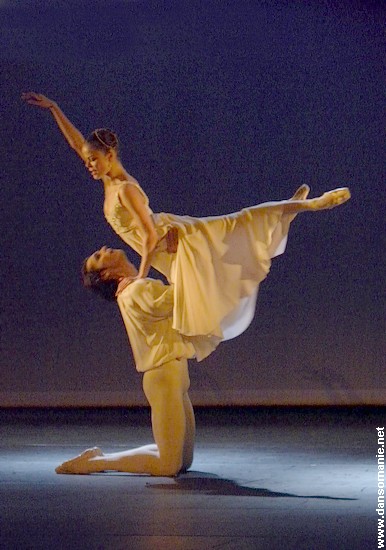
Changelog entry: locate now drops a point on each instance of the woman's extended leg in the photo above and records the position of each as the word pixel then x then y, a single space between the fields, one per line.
pixel 301 193
pixel 166 390
pixel 328 200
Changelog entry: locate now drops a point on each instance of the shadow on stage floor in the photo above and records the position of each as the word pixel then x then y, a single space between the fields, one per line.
pixel 209 484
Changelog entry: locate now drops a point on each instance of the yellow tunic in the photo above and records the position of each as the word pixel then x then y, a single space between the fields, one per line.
pixel 146 306
pixel 219 263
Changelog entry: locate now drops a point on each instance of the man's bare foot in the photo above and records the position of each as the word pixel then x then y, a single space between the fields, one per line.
pixel 333 198
pixel 80 464
pixel 301 193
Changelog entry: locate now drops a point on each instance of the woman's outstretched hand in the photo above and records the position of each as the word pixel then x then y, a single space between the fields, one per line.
pixel 39 100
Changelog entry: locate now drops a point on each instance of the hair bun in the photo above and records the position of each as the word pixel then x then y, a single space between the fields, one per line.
pixel 107 137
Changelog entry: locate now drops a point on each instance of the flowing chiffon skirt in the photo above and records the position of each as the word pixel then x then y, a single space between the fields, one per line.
pixel 219 265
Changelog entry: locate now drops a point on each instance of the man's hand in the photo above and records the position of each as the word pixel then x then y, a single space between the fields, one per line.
pixel 172 240
pixel 124 283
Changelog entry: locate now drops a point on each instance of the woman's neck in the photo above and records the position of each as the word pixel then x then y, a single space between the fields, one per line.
pixel 117 171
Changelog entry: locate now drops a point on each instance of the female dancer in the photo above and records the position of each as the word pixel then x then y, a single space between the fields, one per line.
pixel 161 354
pixel 219 262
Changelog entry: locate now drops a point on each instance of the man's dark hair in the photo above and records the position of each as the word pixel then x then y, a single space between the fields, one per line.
pixel 94 281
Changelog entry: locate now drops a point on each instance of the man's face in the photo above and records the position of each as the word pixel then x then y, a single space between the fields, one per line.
pixel 107 258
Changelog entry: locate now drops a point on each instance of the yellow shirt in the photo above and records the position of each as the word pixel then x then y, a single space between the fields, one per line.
pixel 146 306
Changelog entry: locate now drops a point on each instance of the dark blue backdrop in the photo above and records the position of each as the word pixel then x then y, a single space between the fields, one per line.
pixel 219 105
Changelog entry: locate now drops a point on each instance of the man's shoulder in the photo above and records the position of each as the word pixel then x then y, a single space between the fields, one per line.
pixel 142 285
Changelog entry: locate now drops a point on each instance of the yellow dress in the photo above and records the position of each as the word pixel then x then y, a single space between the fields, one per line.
pixel 219 263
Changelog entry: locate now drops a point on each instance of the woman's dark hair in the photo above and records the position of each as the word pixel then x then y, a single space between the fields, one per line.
pixel 94 281
pixel 103 139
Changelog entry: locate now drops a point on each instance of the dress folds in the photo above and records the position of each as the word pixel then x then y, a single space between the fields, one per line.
pixel 218 267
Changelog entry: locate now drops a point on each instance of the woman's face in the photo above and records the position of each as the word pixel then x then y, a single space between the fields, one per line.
pixel 97 162
pixel 110 261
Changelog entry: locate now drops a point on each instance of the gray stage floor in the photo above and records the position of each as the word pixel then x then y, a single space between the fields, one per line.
pixel 262 478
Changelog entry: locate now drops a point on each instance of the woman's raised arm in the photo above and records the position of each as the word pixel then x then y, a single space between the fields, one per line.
pixel 72 134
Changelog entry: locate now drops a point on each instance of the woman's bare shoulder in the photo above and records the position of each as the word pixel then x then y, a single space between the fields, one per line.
pixel 131 188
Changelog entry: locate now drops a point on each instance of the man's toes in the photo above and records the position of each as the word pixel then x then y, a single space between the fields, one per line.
pixel 61 469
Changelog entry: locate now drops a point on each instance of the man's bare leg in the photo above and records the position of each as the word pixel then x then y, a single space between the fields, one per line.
pixel 164 387
pixel 189 434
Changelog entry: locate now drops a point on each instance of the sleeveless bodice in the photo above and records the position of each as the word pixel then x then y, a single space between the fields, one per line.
pixel 123 221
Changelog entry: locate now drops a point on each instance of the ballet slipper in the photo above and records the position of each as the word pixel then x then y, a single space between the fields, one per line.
pixel 331 199
pixel 301 193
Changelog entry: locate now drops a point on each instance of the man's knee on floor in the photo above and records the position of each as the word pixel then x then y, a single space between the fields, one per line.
pixel 170 465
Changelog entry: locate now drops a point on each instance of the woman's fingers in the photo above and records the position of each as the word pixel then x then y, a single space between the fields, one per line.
pixel 29 95
pixel 32 98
